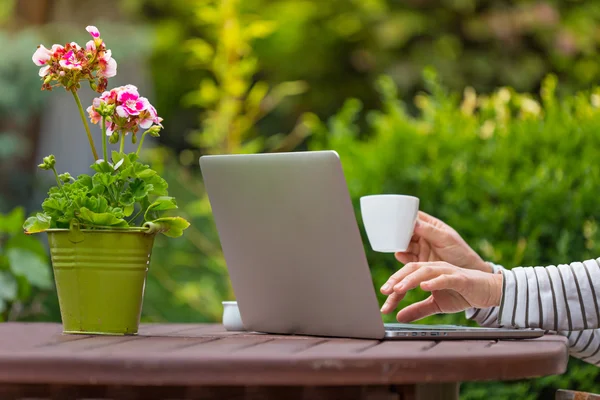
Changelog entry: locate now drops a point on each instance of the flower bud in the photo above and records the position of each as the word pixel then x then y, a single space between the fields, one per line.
pixel 114 138
pixel 134 139
pixel 48 162
pixel 66 177
pixel 153 130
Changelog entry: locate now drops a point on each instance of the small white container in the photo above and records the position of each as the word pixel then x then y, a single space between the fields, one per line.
pixel 389 221
pixel 232 320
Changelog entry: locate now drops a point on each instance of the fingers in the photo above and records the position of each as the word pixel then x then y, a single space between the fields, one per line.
pixel 418 310
pixel 426 272
pixel 431 233
pixel 428 218
pixel 391 303
pixel 411 254
pixel 388 287
pixel 442 282
pixel 413 247
pixel 424 251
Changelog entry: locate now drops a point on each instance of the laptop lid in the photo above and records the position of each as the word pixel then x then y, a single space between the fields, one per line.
pixel 292 244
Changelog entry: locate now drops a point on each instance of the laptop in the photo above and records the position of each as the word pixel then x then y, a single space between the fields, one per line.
pixel 294 252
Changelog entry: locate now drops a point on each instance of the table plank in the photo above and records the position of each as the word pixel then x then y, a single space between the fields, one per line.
pixel 186 354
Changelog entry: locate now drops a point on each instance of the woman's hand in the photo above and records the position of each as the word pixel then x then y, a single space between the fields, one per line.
pixel 433 240
pixel 453 289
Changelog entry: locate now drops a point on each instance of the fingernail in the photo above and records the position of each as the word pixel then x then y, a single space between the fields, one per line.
pixel 398 287
pixel 385 287
pixel 383 308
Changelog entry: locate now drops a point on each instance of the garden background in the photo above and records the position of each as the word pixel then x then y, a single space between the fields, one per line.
pixel 489 111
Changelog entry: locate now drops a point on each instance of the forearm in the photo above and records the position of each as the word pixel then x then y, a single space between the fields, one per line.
pixel 552 298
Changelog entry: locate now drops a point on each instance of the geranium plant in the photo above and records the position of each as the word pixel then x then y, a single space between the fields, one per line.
pixel 123 193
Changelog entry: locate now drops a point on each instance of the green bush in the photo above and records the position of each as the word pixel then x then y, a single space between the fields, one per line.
pixel 517 178
pixel 25 277
pixel 337 47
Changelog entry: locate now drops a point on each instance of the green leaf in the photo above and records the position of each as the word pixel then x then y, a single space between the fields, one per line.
pixel 145 173
pixel 85 181
pixel 168 226
pixel 126 198
pixel 39 223
pixel 139 189
pixel 101 167
pixel 128 210
pixel 29 265
pixel 12 222
pixel 96 204
pixel 8 286
pixel 116 156
pixel 159 185
pixel 53 204
pixel 161 204
pixel 120 161
pixel 89 217
pixel 103 179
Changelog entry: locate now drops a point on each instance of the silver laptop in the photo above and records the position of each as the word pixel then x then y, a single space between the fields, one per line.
pixel 294 252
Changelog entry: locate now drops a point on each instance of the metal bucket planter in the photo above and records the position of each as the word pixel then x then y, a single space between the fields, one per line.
pixel 100 278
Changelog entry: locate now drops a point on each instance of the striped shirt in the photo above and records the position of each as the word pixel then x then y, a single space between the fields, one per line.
pixel 562 299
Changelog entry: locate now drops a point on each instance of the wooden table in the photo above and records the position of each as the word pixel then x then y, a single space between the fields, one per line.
pixel 186 361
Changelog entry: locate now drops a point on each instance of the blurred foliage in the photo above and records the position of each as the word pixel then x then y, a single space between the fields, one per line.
pixel 189 279
pixel 25 277
pixel 517 178
pixel 338 47
pixel 20 100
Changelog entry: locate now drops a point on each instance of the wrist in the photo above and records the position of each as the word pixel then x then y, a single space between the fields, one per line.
pixel 483 266
pixel 496 290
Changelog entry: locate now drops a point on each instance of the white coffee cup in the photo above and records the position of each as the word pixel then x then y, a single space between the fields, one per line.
pixel 232 320
pixel 389 220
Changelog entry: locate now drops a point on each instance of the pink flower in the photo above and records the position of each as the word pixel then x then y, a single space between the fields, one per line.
pixel 130 103
pixel 95 117
pixel 93 31
pixel 44 71
pixel 110 128
pixel 108 97
pixel 149 117
pixel 57 50
pixel 70 61
pixel 90 46
pixel 130 113
pixel 41 56
pixel 108 65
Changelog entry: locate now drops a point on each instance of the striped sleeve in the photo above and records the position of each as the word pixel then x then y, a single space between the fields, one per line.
pixel 585 345
pixel 554 298
pixel 562 299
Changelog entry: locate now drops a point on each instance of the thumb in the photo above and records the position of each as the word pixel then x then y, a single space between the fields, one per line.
pixel 434 235
pixel 418 310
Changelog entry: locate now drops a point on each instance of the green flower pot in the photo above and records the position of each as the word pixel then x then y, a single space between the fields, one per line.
pixel 100 277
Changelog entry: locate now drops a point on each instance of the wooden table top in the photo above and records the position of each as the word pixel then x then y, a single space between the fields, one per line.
pixel 205 354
